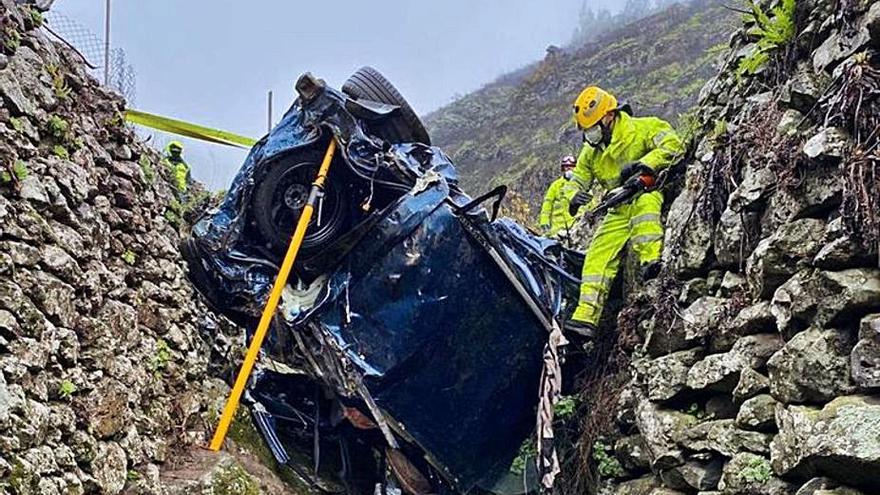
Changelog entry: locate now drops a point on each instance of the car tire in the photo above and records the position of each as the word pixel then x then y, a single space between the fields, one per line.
pixel 405 127
pixel 279 197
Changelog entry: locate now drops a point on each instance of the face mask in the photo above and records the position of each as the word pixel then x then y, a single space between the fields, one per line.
pixel 568 174
pixel 594 135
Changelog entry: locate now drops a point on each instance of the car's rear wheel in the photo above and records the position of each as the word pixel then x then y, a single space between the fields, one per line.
pixel 405 127
pixel 279 199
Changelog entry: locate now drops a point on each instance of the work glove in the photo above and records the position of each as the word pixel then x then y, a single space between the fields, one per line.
pixel 578 200
pixel 635 168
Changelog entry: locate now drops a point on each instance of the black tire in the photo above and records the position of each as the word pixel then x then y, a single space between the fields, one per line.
pixel 278 201
pixel 405 127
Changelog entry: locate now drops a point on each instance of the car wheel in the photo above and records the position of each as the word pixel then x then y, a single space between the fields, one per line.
pixel 405 127
pixel 279 199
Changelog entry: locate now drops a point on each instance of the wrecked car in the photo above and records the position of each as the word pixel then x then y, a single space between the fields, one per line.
pixel 414 321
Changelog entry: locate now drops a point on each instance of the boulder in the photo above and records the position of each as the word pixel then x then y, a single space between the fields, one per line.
pixel 632 451
pixel 758 182
pixel 732 283
pixel 688 246
pixel 758 413
pixel 803 90
pixel 750 320
pixel 747 474
pixel 826 486
pixel 658 427
pixel 791 123
pixel 751 383
pixel 109 467
pixel 829 144
pixel 817 193
pixel 722 436
pixel 721 371
pixel 735 236
pixel 840 440
pixel 696 322
pixel 840 251
pixel 695 474
pixel 692 290
pixel 837 47
pixel 778 257
pixel 640 486
pixel 812 367
pixel 865 357
pixel 823 298
pixel 666 376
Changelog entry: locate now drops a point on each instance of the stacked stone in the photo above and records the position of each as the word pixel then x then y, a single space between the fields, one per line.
pixel 103 372
pixel 766 380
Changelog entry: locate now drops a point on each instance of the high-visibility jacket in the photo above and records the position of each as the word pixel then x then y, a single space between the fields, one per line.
pixel 554 210
pixel 180 172
pixel 647 140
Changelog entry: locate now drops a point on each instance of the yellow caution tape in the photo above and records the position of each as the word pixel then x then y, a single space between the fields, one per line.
pixel 187 129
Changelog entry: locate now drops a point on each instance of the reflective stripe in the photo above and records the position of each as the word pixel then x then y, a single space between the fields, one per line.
pixel 589 298
pixel 592 279
pixel 646 238
pixel 660 137
pixel 647 217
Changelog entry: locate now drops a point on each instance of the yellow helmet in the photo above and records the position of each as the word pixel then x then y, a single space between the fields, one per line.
pixel 591 105
pixel 174 144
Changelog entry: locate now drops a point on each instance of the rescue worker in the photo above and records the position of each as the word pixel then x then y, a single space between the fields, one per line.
pixel 179 169
pixel 555 220
pixel 618 147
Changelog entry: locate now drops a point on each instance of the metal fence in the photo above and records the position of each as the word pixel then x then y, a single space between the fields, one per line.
pixel 122 76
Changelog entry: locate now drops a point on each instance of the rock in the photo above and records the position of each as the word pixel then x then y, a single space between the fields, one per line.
pixel 791 123
pixel 106 409
pixel 692 290
pixel 657 427
pixel 109 467
pixel 818 192
pixel 632 451
pixel 826 486
pixel 750 320
pixel 667 376
pixel 735 237
pixel 837 47
pixel 865 357
pixel 688 245
pixel 639 486
pixel 701 317
pixel 748 474
pixel 831 143
pixel 758 182
pixel 701 474
pixel 722 436
pixel 840 251
pixel 839 440
pixel 32 189
pixel 758 413
pixel 802 91
pixel 721 371
pixel 825 298
pixel 779 256
pixel 812 367
pixel 732 283
pixel 751 383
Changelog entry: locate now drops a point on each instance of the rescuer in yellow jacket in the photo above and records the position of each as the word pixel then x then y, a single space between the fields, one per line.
pixel 555 218
pixel 179 169
pixel 618 146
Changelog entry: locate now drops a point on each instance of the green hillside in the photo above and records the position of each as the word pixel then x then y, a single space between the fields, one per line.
pixel 514 130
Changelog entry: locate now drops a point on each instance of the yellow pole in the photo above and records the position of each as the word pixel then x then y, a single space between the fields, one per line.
pixel 272 304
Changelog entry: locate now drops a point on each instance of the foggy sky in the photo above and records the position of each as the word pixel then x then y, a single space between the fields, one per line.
pixel 213 61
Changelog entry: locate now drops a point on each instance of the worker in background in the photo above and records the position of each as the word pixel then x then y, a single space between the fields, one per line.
pixel 555 220
pixel 618 147
pixel 178 168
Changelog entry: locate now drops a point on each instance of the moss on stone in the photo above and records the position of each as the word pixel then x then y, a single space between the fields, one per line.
pixel 234 480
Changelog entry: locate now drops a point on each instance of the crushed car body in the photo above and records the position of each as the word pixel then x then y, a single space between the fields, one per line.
pixel 421 314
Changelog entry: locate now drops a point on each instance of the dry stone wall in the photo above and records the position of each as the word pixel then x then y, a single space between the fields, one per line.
pixel 764 379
